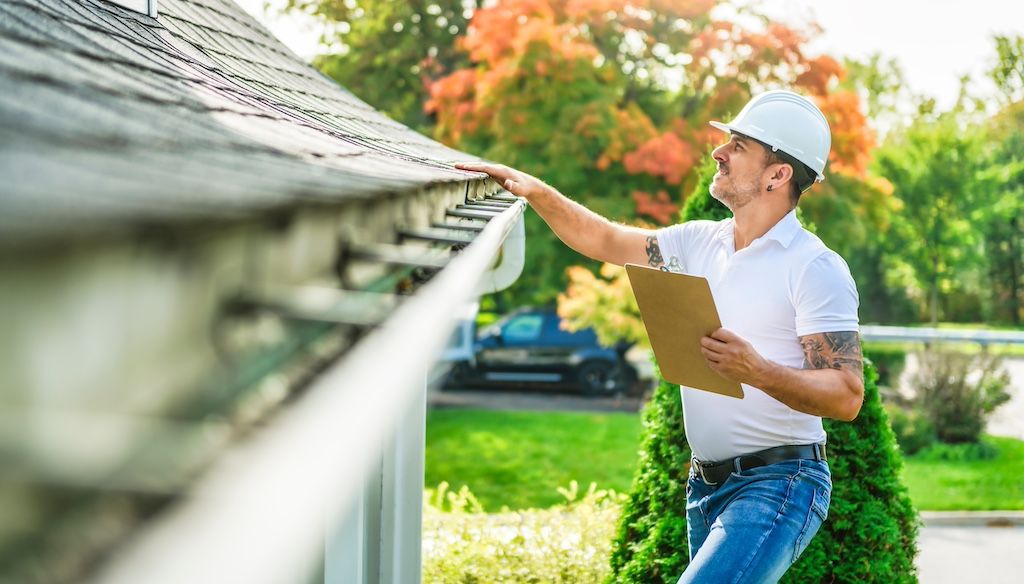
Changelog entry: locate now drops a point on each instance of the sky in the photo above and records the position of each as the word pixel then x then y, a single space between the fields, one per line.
pixel 935 41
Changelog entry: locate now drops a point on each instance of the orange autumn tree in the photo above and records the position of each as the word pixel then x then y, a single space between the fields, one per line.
pixel 608 100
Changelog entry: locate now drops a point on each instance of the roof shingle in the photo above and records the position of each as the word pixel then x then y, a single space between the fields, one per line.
pixel 110 118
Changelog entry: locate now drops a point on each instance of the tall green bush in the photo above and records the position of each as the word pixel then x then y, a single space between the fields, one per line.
pixel 872 527
pixel 650 545
pixel 871 532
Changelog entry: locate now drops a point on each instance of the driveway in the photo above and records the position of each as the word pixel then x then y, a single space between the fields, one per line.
pixel 959 554
pixel 530 400
pixel 1008 420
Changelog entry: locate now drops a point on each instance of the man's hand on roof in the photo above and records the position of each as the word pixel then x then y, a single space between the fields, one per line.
pixel 518 183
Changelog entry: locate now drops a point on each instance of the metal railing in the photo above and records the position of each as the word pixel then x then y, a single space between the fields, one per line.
pixel 928 334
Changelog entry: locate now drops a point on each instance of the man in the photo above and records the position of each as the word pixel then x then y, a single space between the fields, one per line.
pixel 759 484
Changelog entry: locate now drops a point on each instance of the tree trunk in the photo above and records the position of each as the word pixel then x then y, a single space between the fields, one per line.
pixel 1015 287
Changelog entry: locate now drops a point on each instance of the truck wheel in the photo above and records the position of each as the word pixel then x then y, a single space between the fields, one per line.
pixel 599 378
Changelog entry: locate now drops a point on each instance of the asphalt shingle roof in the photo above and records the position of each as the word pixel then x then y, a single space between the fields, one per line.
pixel 110 118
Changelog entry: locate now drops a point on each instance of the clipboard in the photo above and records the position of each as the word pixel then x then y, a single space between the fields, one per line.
pixel 677 311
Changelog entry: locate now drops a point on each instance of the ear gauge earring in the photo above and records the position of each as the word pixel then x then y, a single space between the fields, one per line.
pixel 769 188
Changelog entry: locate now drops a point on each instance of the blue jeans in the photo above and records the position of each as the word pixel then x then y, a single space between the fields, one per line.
pixel 755 524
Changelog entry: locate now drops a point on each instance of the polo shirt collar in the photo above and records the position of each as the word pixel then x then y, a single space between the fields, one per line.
pixel 783 232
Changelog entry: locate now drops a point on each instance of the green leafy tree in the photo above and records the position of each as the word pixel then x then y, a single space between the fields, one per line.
pixel 1000 217
pixel 935 168
pixel 1008 72
pixel 389 52
pixel 853 215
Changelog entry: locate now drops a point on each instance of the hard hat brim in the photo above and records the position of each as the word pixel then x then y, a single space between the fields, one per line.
pixel 721 126
pixel 730 129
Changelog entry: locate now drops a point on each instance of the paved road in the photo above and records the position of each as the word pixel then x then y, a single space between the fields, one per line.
pixel 959 555
pixel 1008 420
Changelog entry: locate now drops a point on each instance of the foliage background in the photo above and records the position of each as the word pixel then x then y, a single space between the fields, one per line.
pixel 608 100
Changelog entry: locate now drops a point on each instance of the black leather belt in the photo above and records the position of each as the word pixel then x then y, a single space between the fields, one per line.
pixel 714 473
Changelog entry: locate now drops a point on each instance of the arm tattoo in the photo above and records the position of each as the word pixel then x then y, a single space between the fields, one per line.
pixel 654 258
pixel 840 350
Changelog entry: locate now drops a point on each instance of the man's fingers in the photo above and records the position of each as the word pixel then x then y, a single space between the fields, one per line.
pixel 714 367
pixel 713 344
pixel 512 186
pixel 710 356
pixel 478 167
pixel 724 335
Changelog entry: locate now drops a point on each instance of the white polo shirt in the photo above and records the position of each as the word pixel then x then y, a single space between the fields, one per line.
pixel 784 285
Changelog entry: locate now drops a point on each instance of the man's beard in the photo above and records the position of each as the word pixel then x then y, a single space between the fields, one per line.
pixel 733 195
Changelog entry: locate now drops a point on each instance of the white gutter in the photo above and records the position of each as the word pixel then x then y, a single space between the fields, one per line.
pixel 511 260
pixel 258 516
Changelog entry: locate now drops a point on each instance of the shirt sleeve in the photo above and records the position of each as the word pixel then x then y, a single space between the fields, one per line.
pixel 826 298
pixel 671 241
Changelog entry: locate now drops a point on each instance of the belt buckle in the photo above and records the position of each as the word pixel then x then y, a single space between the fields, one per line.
pixel 700 471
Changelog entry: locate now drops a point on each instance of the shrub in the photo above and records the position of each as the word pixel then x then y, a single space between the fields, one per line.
pixel 650 545
pixel 566 543
pixel 871 532
pixel 957 392
pixel 914 432
pixel 963 452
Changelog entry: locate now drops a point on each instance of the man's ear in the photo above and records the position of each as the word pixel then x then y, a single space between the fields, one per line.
pixel 783 173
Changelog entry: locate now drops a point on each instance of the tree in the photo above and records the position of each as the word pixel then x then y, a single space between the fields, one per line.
pixel 934 168
pixel 1008 72
pixel 389 53
pixel 1001 215
pixel 606 99
pixel 609 101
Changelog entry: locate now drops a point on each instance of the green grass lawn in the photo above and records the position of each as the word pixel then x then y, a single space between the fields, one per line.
pixel 972 485
pixel 519 459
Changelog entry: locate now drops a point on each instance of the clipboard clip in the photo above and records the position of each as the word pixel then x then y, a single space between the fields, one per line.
pixel 673 266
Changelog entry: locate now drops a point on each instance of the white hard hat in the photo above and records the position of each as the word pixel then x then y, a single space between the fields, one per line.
pixel 788 122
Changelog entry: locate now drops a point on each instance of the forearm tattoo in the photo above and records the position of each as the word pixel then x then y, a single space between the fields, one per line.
pixel 654 258
pixel 840 350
